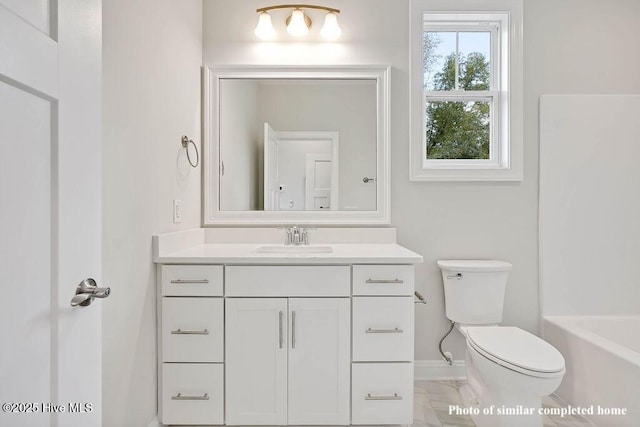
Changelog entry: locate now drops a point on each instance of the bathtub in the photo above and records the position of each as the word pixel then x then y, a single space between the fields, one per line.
pixel 602 355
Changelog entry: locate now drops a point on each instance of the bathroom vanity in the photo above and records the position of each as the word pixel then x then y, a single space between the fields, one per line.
pixel 253 332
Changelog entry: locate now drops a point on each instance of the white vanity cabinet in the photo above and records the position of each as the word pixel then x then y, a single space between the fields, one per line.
pixel 286 344
pixel 287 361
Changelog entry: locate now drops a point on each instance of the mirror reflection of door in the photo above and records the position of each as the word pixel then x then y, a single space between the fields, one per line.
pixel 300 170
pixel 318 182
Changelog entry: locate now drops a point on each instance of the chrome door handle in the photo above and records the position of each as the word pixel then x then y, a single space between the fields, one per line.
pixel 280 337
pixel 293 329
pixel 366 179
pixel 86 291
pixel 383 331
pixel 179 396
pixel 398 281
pixel 394 397
pixel 181 281
pixel 181 332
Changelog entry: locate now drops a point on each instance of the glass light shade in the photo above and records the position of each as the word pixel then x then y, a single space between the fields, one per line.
pixel 297 26
pixel 331 30
pixel 264 29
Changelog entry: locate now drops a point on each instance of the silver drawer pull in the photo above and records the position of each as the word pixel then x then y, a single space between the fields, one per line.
pixel 280 335
pixel 293 329
pixel 383 331
pixel 394 397
pixel 179 396
pixel 182 281
pixel 395 281
pixel 181 332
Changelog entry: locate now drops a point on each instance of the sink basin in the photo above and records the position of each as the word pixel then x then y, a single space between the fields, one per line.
pixel 282 249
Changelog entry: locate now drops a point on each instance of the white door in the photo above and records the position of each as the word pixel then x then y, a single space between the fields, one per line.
pixel 319 360
pixel 271 175
pixel 256 361
pixel 50 192
pixel 318 182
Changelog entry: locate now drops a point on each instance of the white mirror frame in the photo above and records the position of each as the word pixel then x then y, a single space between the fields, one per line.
pixel 212 215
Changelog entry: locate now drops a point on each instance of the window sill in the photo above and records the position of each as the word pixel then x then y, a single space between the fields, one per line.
pixel 456 174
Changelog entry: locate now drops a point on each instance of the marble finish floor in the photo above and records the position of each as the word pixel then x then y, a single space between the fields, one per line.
pixel 432 400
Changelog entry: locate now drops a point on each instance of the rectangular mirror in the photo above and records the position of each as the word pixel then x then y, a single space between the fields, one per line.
pixel 303 144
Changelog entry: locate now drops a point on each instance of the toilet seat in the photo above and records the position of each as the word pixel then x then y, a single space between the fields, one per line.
pixel 517 350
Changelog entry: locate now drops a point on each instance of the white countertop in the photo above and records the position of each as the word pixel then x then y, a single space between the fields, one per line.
pixel 245 253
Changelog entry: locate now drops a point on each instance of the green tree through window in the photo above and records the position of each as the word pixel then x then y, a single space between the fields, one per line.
pixel 457 129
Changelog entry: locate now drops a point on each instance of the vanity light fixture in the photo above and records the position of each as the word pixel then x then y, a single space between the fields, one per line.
pixel 298 24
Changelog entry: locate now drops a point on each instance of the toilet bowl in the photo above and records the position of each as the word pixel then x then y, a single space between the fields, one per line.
pixel 509 370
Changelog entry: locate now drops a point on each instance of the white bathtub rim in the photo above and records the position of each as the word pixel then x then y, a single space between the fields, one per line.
pixel 567 324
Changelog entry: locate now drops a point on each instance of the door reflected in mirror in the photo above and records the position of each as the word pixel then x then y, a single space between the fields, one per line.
pixel 297 144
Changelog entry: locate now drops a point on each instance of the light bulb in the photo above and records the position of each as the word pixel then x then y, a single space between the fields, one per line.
pixel 331 30
pixel 264 29
pixel 297 26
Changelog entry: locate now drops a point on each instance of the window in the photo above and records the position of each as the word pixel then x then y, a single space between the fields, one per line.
pixel 466 96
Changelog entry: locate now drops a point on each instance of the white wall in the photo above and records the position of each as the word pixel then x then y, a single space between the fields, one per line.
pixel 152 53
pixel 589 204
pixel 241 134
pixel 571 46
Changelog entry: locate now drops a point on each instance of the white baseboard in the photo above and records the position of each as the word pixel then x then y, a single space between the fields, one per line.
pixel 154 422
pixel 439 370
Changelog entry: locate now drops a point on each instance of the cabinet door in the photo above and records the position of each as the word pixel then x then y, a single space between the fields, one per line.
pixel 256 361
pixel 319 360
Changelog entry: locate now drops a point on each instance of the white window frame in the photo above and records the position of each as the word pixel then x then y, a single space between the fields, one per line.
pixel 504 19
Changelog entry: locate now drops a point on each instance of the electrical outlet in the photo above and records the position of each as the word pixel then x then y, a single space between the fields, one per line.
pixel 177 211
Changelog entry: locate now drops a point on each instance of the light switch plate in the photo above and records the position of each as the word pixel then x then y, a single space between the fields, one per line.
pixel 177 211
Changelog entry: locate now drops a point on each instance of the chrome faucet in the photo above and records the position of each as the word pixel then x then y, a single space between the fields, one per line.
pixel 297 235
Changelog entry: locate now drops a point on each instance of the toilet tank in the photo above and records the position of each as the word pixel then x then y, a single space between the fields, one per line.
pixel 474 290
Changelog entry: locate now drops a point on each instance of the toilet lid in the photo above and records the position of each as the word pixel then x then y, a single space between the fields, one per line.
pixel 517 349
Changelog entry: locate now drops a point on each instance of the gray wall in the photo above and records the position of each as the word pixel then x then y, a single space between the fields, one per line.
pixel 240 152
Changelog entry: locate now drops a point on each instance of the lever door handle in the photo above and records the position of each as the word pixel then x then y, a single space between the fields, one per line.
pixel 86 291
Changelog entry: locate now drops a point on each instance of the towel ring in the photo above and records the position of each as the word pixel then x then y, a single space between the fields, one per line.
pixel 185 143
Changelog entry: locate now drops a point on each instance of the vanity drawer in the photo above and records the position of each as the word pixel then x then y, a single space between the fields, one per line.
pixel 382 329
pixel 192 329
pixel 192 393
pixel 383 280
pixel 192 280
pixel 382 393
pixel 287 281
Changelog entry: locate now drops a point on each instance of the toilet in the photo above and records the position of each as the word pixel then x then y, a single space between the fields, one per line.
pixel 508 369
